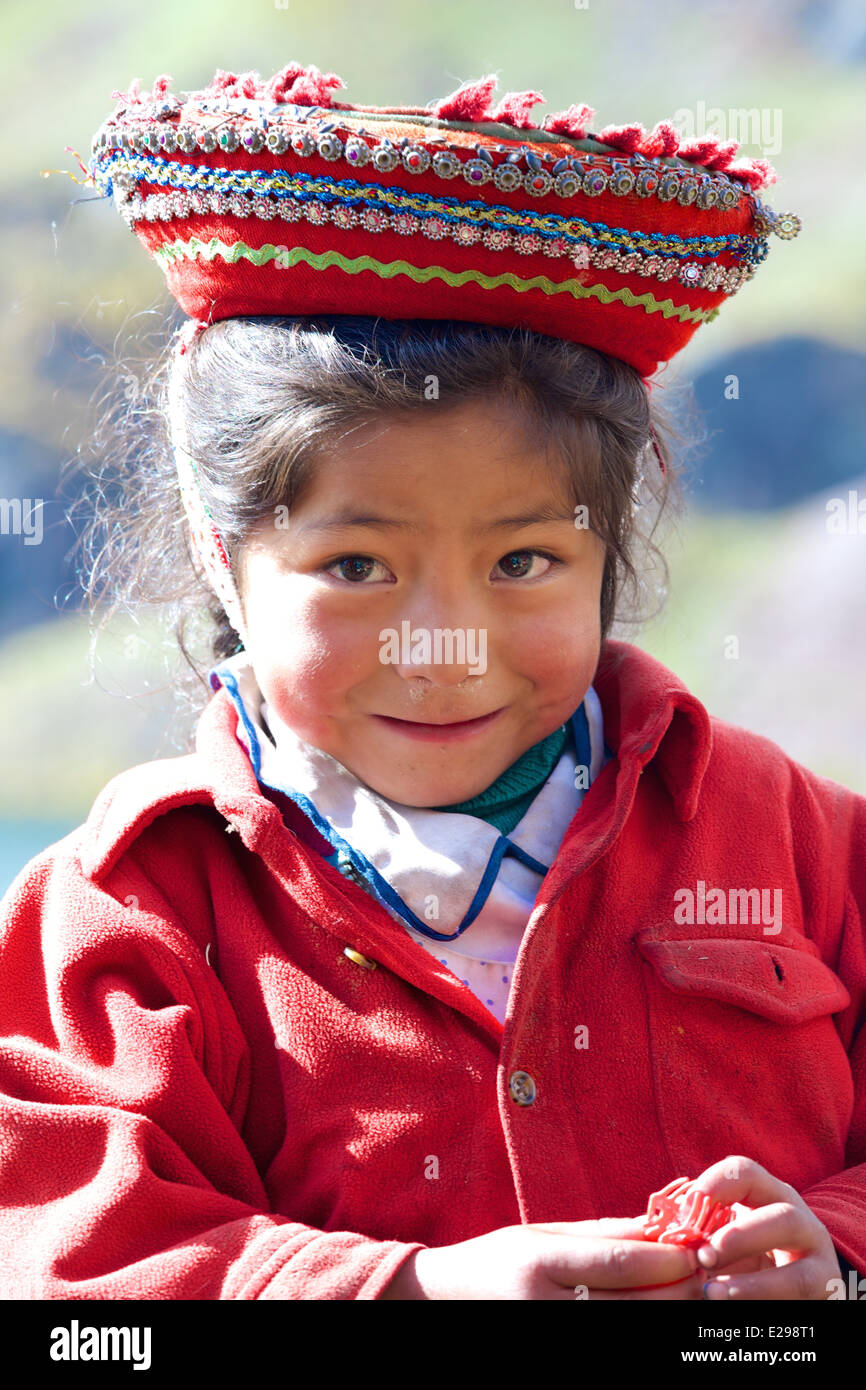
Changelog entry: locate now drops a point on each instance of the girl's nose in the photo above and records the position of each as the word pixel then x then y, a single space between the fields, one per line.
pixel 437 656
pixel 425 678
pixel 420 687
pixel 442 638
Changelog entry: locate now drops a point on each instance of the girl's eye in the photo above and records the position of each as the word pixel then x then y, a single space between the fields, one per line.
pixel 521 572
pixel 355 568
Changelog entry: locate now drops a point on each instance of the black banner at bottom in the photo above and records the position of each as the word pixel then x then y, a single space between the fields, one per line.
pixel 178 1338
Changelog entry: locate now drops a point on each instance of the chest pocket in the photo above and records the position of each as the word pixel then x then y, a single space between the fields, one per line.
pixel 781 983
pixel 745 1055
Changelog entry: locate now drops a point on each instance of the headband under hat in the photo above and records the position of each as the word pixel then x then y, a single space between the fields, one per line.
pixel 272 198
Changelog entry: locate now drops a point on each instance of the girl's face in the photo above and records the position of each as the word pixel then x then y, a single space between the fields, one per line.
pixel 418 525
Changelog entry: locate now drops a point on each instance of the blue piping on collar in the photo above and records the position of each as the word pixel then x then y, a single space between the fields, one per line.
pixel 344 853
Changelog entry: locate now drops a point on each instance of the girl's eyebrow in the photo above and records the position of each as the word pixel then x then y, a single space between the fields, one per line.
pixel 532 517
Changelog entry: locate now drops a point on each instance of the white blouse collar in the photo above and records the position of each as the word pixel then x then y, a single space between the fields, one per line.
pixel 437 871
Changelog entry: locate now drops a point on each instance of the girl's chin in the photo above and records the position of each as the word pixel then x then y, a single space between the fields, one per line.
pixel 413 788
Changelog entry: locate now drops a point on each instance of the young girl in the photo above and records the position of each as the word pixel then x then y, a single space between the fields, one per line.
pixel 464 928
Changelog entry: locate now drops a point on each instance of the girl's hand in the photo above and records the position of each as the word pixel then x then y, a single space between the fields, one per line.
pixel 604 1259
pixel 776 1248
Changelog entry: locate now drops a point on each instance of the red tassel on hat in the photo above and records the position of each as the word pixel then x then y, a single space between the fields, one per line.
pixel 514 109
pixel 662 141
pixel 627 138
pixel 471 102
pixel 574 122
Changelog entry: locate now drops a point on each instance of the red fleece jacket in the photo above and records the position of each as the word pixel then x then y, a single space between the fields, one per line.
pixel 203 1097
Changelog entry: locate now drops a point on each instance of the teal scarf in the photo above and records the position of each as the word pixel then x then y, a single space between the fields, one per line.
pixel 506 801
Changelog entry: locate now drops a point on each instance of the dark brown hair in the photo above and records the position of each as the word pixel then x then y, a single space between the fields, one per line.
pixel 261 398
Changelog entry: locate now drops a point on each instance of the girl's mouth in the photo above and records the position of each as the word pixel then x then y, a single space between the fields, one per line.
pixel 440 733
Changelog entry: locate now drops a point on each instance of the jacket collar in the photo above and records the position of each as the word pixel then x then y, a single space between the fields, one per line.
pixel 666 724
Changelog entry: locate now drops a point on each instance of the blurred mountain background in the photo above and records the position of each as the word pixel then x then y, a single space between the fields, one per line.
pixel 765 614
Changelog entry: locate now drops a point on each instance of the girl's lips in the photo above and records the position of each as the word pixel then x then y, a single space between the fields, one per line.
pixel 439 733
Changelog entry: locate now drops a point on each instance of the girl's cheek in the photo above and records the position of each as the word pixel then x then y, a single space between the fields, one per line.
pixel 313 678
pixel 305 705
pixel 291 631
pixel 557 650
pixel 308 678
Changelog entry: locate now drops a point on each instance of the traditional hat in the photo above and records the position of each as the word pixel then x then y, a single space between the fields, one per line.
pixel 269 197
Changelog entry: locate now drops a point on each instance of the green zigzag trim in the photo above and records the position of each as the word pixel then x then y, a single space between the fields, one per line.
pixel 193 249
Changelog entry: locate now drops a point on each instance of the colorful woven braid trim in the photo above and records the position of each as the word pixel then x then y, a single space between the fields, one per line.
pixel 551 226
pixel 498 228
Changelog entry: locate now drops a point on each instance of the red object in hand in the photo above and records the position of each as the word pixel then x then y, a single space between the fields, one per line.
pixel 681 1214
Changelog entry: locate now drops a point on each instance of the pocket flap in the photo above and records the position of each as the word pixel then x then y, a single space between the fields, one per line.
pixel 782 983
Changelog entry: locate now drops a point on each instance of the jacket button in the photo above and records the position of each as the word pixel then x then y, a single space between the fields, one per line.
pixel 522 1087
pixel 356 956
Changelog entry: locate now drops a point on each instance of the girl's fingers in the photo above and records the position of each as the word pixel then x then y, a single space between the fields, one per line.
pixel 604 1277
pixel 747 1266
pixel 778 1226
pixel 776 1219
pixel 619 1264
pixel 739 1179
pixel 801 1279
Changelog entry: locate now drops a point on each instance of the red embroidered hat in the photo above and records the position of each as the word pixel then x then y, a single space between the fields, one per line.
pixel 271 197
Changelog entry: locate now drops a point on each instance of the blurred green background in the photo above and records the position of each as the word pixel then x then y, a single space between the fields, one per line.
pixel 752 561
